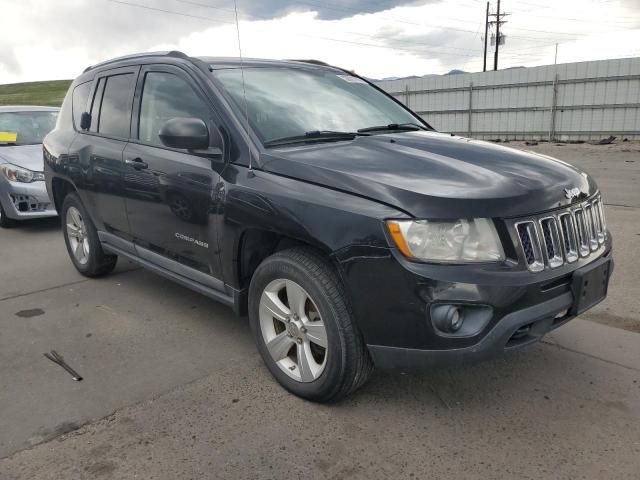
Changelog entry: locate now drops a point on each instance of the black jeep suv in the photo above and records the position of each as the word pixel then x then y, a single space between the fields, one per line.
pixel 350 232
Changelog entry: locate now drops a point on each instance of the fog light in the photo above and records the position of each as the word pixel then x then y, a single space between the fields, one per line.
pixel 448 318
pixel 459 320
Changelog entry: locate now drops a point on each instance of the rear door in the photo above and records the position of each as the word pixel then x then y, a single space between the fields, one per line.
pixel 96 165
pixel 170 192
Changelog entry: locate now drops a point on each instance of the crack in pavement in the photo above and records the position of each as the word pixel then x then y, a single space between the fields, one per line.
pixel 54 287
pixel 595 357
pixel 620 205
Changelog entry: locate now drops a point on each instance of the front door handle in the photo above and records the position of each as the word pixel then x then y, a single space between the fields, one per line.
pixel 136 163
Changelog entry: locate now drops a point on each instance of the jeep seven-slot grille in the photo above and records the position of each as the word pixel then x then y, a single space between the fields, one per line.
pixel 563 236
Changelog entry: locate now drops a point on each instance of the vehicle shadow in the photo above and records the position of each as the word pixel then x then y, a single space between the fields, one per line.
pixel 517 383
pixel 37 226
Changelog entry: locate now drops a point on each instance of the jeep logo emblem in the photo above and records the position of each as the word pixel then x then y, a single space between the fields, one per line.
pixel 572 193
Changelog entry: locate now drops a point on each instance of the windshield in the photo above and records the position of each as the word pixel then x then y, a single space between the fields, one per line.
pixel 25 128
pixel 288 102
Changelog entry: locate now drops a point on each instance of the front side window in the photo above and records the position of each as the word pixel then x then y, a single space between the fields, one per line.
pixel 166 96
pixel 25 128
pixel 115 110
pixel 290 101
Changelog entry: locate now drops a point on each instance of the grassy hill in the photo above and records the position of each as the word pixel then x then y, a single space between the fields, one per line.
pixel 34 93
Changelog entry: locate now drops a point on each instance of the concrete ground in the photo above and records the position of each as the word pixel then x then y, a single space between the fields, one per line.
pixel 174 388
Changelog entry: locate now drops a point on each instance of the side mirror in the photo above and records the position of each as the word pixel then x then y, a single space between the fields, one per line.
pixel 85 121
pixel 185 133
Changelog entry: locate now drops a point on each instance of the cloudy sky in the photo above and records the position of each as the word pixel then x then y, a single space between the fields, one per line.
pixel 57 39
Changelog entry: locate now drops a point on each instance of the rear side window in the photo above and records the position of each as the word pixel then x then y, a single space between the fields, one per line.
pixel 95 105
pixel 79 102
pixel 115 110
pixel 166 96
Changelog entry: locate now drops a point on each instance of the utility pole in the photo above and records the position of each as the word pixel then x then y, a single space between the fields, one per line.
pixel 555 60
pixel 495 60
pixel 486 35
pixel 499 37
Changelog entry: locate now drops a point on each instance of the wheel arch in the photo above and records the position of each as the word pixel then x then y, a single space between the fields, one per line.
pixel 60 188
pixel 257 244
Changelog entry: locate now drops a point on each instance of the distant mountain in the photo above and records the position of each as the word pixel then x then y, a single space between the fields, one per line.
pixel 452 72
pixel 398 78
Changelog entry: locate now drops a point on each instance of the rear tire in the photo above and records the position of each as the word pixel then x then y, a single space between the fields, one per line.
pixel 330 373
pixel 6 222
pixel 81 239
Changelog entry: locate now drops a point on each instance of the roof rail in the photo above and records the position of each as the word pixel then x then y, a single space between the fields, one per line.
pixel 312 61
pixel 172 53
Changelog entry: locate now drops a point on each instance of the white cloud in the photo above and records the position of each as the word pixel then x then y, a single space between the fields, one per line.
pixel 58 39
pixel 302 36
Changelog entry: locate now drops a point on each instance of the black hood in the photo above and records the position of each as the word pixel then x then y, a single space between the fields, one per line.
pixel 435 175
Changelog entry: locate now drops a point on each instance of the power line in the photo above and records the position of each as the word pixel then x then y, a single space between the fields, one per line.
pixel 330 39
pixel 427 46
pixel 170 12
pixel 419 47
pixel 204 5
pixel 420 24
pixel 632 21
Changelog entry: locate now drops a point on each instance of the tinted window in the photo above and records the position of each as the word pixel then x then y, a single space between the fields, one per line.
pixel 80 97
pixel 166 96
pixel 95 105
pixel 115 111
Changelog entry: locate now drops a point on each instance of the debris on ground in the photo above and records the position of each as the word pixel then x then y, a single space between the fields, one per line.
pixel 605 141
pixel 531 143
pixel 58 359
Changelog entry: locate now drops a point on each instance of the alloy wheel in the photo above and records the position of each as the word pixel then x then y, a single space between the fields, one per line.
pixel 293 330
pixel 77 235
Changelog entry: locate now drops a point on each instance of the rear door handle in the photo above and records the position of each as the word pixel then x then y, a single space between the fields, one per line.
pixel 136 163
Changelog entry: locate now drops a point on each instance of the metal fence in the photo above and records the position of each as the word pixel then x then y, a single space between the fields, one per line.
pixel 572 101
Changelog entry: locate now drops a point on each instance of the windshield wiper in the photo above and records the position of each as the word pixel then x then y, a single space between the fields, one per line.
pixel 404 127
pixel 314 136
pixel 8 144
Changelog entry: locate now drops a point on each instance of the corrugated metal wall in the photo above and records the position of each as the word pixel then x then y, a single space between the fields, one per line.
pixel 572 101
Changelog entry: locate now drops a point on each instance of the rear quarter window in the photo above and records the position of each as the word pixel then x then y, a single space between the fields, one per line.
pixel 79 102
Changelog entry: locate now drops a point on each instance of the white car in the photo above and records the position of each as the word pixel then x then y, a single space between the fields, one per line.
pixel 23 193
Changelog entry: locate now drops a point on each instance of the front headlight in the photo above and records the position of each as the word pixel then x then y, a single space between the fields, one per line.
pixel 19 174
pixel 457 241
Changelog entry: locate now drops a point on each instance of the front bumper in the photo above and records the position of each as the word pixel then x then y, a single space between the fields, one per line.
pixel 392 300
pixel 22 201
pixel 540 317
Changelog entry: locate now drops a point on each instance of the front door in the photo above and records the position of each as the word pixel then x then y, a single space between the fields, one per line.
pixel 170 192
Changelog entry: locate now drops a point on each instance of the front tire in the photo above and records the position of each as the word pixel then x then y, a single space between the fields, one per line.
pixel 304 328
pixel 6 222
pixel 82 240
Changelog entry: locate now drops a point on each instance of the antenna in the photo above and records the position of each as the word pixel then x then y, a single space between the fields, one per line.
pixel 244 89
